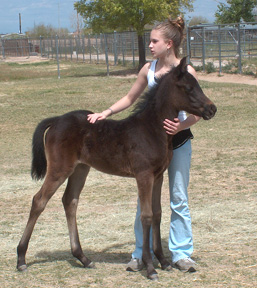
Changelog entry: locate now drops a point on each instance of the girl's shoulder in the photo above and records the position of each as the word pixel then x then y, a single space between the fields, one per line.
pixel 144 70
pixel 149 66
pixel 191 70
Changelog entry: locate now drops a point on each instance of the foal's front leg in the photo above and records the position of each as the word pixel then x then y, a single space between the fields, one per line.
pixel 157 214
pixel 145 186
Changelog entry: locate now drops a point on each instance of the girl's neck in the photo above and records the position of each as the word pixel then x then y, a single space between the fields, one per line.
pixel 164 64
pixel 168 61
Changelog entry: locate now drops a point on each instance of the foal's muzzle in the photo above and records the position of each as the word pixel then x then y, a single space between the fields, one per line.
pixel 209 111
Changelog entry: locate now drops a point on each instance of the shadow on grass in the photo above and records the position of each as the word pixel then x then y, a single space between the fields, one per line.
pixel 107 255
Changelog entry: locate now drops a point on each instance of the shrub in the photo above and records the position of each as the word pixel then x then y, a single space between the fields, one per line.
pixel 210 68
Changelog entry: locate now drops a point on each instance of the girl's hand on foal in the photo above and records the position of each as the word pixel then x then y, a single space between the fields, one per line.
pixel 92 118
pixel 172 127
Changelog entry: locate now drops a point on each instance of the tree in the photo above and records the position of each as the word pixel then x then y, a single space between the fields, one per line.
pixel 102 15
pixel 235 11
pixel 198 20
pixel 46 31
pixel 255 13
pixel 77 22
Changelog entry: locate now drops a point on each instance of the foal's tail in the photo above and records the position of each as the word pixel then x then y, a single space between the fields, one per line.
pixel 39 163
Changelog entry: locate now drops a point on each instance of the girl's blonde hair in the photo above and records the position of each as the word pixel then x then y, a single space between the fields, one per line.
pixel 172 30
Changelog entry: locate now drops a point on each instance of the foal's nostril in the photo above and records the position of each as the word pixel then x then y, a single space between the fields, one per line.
pixel 214 109
pixel 209 111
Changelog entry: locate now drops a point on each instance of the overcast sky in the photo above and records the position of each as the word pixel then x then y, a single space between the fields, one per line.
pixel 59 13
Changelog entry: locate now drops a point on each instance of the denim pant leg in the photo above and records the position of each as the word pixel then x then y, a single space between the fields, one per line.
pixel 138 229
pixel 180 238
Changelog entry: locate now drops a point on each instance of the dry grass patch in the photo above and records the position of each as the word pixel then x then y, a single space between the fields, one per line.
pixel 222 191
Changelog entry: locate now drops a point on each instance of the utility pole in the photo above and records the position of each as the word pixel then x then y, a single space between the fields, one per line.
pixel 20 23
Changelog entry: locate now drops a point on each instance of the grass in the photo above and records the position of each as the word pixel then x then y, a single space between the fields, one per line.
pixel 222 187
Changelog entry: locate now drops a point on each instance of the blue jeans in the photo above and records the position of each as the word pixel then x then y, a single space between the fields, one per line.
pixel 180 236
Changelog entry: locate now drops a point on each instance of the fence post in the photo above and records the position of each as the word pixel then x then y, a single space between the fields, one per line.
pixel 133 48
pixel 123 51
pixel 96 47
pixel 57 56
pixel 3 48
pixel 52 46
pixel 65 48
pixel 71 49
pixel 89 45
pixel 106 54
pixel 48 45
pixel 203 49
pixel 83 47
pixel 188 45
pixel 59 48
pixel 145 46
pixel 55 40
pixel 239 49
pixel 101 43
pixel 77 47
pixel 219 41
pixel 41 53
pixel 115 48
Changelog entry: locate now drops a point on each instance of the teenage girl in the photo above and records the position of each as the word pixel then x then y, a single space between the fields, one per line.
pixel 165 40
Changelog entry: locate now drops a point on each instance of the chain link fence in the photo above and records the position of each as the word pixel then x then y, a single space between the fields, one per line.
pixel 220 44
pixel 204 44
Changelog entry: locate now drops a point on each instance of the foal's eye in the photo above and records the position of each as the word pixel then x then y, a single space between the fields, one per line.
pixel 188 88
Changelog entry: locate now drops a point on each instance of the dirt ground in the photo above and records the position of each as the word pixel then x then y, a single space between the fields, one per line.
pixel 227 78
pixel 212 77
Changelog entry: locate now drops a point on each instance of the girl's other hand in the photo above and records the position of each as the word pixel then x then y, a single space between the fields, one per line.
pixel 172 127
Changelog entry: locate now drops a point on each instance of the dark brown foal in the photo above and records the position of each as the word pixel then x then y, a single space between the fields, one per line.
pixel 67 146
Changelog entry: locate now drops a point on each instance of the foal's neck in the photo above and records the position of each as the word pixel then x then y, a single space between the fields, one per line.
pixel 164 65
pixel 164 101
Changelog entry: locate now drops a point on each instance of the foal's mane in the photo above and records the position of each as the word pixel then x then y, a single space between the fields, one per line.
pixel 148 99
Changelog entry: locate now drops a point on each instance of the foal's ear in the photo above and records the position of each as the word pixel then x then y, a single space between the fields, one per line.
pixel 183 64
pixel 181 68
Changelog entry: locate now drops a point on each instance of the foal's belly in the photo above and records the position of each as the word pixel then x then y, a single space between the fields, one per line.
pixel 127 163
pixel 126 153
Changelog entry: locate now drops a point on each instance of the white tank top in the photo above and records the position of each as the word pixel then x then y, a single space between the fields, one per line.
pixel 151 82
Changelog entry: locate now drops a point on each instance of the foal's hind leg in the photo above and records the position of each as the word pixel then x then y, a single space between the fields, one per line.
pixel 157 213
pixel 39 202
pixel 70 202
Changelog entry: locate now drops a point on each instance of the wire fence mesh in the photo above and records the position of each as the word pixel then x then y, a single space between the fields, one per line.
pixel 222 43
pixel 217 44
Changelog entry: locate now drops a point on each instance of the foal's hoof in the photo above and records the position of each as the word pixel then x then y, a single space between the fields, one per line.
pixel 153 277
pixel 91 265
pixel 167 267
pixel 22 268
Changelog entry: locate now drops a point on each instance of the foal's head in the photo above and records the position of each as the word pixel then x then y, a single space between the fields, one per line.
pixel 187 94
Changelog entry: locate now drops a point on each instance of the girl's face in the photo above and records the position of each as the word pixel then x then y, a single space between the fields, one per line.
pixel 158 45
